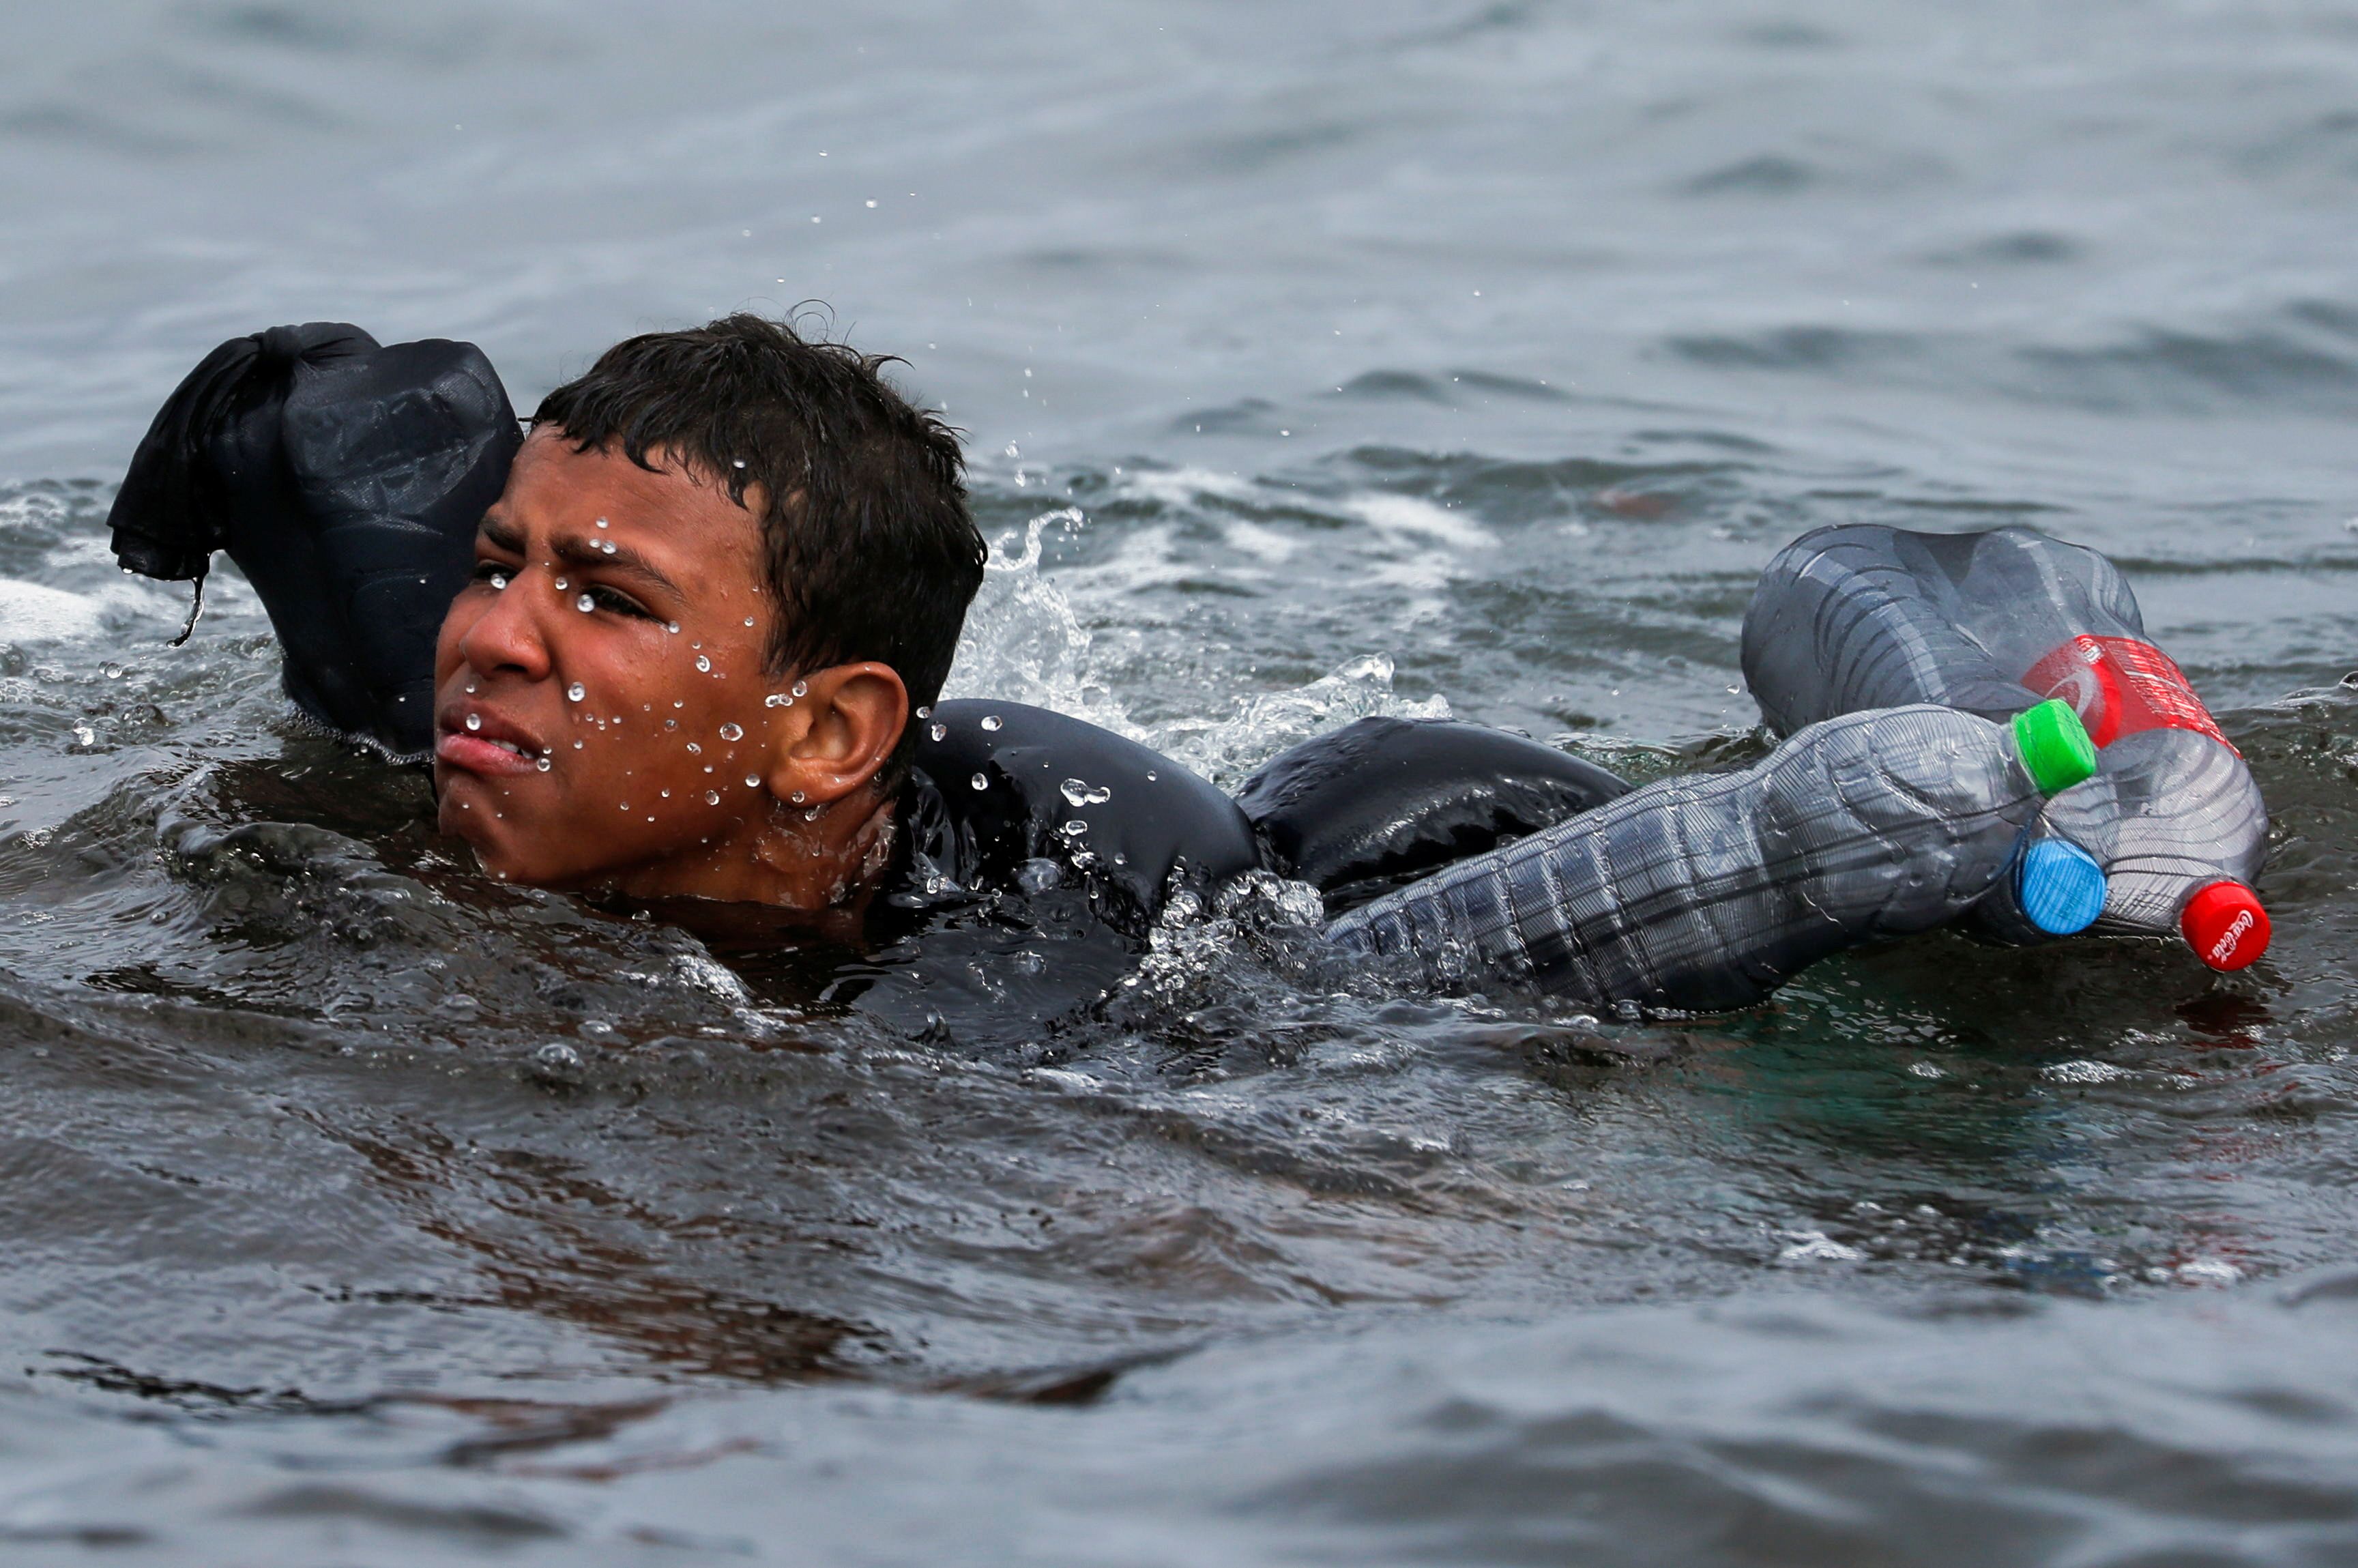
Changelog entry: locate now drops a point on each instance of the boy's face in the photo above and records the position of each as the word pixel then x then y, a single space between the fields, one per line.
pixel 602 713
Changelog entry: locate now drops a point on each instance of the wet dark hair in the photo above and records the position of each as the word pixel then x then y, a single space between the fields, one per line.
pixel 871 550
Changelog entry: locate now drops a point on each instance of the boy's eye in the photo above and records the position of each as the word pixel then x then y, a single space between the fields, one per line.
pixel 600 597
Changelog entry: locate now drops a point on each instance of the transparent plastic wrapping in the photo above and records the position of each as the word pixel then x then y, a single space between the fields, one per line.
pixel 1858 617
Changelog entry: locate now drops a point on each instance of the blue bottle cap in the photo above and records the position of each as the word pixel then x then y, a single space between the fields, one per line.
pixel 2060 887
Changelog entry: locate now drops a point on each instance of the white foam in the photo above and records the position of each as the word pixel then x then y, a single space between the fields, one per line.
pixel 1025 642
pixel 1179 487
pixel 1263 543
pixel 2083 1072
pixel 32 613
pixel 1395 515
pixel 1815 1247
pixel 18 511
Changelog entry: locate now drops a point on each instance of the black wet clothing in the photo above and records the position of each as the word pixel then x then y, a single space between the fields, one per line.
pixel 347 480
pixel 1001 787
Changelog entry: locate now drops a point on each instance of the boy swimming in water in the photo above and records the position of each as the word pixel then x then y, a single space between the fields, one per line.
pixel 727 567
pixel 682 647
pixel 687 639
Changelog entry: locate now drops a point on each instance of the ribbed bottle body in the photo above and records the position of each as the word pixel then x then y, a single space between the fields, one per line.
pixel 1706 892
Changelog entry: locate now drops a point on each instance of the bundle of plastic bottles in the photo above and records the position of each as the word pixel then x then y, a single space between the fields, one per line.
pixel 1978 731
pixel 1860 617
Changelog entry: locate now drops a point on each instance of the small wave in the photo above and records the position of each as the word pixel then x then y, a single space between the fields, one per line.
pixel 2020 247
pixel 1795 348
pixel 1409 514
pixel 1770 174
pixel 32 613
pixel 2295 359
pixel 1412 385
pixel 2172 371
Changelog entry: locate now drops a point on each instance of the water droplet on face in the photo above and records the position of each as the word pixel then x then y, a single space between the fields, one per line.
pixel 802 688
pixel 671 626
pixel 752 780
pixel 474 721
pixel 733 732
pixel 560 585
pixel 665 792
pixel 602 523
pixel 694 748
pixel 798 797
pixel 576 692
pixel 736 463
pixel 939 731
pixel 703 663
pixel 776 700
pixel 470 688
pixel 671 723
pixel 712 797
pixel 749 620
pixel 499 579
pixel 990 722
pixel 981 782
pixel 608 545
pixel 585 604
pixel 926 712
pixel 543 765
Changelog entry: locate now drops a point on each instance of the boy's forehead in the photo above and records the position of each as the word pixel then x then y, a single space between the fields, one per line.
pixel 554 488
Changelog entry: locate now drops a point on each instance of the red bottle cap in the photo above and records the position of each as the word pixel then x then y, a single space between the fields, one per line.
pixel 2225 925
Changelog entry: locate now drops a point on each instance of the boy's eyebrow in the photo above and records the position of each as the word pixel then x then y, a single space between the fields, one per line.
pixel 575 550
pixel 501 533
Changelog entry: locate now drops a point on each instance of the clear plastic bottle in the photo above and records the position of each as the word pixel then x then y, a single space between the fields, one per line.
pixel 1707 892
pixel 1862 616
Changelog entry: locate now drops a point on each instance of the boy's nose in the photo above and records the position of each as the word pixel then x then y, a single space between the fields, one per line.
pixel 509 634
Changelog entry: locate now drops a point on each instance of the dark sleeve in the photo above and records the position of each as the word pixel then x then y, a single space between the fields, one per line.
pixel 1359 811
pixel 345 479
pixel 1019 784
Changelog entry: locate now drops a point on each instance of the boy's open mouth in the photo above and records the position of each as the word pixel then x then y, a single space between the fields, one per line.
pixel 476 742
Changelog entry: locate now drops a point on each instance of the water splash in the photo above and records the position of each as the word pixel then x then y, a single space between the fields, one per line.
pixel 1266 723
pixel 1024 642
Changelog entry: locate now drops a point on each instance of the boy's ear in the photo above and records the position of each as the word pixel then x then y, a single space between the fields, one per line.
pixel 839 733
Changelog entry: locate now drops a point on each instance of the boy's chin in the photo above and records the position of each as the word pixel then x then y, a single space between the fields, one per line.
pixel 498 852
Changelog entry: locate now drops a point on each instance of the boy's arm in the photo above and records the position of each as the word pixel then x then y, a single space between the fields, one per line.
pixel 345 479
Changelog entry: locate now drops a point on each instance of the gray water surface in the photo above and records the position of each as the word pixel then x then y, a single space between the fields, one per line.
pixel 1405 357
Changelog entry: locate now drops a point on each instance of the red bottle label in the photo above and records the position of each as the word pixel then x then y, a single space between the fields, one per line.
pixel 2121 685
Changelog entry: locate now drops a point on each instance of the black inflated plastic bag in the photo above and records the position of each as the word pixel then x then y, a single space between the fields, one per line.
pixel 346 480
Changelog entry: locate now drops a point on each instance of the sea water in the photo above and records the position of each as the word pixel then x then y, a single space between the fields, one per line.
pixel 1422 356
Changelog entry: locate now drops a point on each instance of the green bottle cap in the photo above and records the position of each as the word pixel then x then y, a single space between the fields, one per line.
pixel 2054 744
